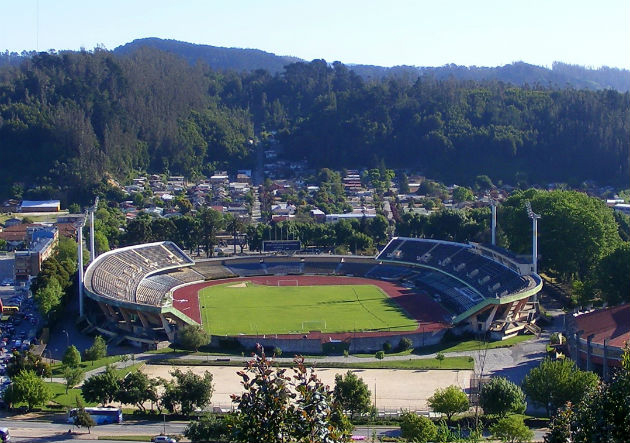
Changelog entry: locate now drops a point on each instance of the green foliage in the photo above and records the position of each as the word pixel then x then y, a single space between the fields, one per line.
pixel 71 357
pixel 612 275
pixel 351 393
pixel 101 388
pixel 511 430
pixel 417 428
pixel 136 388
pixel 555 382
pixel 462 194
pixel 49 297
pixel 277 407
pixel 575 232
pixel 192 337
pixel 27 387
pixel 449 401
pixel 501 397
pixel 440 357
pixel 208 427
pixel 97 351
pixel 404 344
pixel 73 376
pixel 380 355
pixel 82 418
pixel 187 391
pixel 28 361
pixel 263 410
pixel 602 414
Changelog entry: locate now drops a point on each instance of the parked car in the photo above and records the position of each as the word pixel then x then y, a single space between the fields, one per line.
pixel 163 439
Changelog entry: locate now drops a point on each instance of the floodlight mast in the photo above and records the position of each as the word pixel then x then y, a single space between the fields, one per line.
pixel 80 226
pixel 92 210
pixel 531 214
pixel 493 208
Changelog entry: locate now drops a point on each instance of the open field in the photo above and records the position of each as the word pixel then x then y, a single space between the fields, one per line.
pixel 234 308
pixel 394 389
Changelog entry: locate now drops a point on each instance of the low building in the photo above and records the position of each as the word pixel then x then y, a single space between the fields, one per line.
pixel 42 242
pixel 40 206
pixel 596 339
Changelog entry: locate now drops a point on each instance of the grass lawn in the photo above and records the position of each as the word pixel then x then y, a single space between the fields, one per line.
pixel 463 346
pixel 462 363
pixel 259 309
pixel 69 400
pixel 57 368
pixel 475 345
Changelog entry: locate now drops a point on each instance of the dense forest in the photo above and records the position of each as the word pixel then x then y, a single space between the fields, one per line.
pixel 69 119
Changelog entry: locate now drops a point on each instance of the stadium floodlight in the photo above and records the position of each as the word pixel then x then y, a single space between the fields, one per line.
pixel 80 224
pixel 493 221
pixel 531 214
pixel 91 211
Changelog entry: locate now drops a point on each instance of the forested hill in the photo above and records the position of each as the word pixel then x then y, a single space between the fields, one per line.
pixel 69 119
pixel 560 76
pixel 216 57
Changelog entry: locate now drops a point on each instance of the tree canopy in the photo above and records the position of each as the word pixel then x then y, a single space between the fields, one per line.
pixel 74 117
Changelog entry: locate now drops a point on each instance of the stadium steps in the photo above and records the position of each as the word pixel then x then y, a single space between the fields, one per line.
pixel 534 329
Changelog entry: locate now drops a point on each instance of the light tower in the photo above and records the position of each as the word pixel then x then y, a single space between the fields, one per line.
pixel 493 221
pixel 92 210
pixel 80 226
pixel 531 214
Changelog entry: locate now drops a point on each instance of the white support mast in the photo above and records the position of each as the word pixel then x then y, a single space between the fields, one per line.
pixel 80 226
pixel 531 214
pixel 493 222
pixel 92 250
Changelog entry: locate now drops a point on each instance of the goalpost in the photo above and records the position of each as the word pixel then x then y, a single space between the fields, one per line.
pixel 313 325
pixel 293 282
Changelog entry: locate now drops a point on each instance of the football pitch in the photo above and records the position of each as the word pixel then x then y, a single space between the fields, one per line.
pixel 247 308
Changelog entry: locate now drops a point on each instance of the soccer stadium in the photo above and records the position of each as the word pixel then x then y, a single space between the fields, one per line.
pixel 415 288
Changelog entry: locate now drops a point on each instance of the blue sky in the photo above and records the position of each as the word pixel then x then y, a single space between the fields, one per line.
pixel 393 32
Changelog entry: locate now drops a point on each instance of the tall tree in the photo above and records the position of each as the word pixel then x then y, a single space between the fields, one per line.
pixel 351 393
pixel 555 382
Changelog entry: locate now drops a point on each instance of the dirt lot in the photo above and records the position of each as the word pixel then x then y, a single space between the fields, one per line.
pixel 395 388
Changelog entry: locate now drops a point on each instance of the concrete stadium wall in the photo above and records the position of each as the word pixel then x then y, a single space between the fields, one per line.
pixel 315 346
pixel 373 344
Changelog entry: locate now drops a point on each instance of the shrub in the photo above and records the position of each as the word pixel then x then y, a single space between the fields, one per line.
pixel 404 344
pixel 417 428
pixel 387 346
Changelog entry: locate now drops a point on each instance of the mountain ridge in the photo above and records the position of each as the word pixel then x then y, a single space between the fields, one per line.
pixel 520 73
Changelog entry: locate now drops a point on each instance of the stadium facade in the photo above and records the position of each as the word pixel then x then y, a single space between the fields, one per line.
pixel 479 288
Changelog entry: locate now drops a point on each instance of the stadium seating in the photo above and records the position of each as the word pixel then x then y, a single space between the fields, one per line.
pixel 458 263
pixel 121 274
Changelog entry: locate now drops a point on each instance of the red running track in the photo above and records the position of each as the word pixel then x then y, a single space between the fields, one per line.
pixel 429 314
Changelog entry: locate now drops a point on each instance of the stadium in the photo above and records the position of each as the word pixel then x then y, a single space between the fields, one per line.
pixel 414 288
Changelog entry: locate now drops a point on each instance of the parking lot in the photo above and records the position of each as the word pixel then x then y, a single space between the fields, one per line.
pixel 19 319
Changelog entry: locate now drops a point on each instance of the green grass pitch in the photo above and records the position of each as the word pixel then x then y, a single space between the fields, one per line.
pixel 259 309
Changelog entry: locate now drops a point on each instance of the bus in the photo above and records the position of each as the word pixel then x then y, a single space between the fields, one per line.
pixel 10 310
pixel 101 416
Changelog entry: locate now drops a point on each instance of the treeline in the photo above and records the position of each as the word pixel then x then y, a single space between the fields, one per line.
pixel 69 119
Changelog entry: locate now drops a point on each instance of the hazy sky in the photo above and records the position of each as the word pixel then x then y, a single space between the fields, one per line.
pixel 388 32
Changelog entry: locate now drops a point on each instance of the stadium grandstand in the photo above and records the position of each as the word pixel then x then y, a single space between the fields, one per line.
pixel 131 288
pixel 480 288
pixel 485 288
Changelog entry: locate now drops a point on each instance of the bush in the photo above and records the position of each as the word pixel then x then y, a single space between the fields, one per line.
pixel 405 344
pixel 277 352
pixel 379 355
pixel 511 429
pixel 417 428
pixel 556 339
pixel 387 346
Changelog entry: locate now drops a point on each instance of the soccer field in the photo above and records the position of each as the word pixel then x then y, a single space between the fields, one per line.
pixel 247 308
